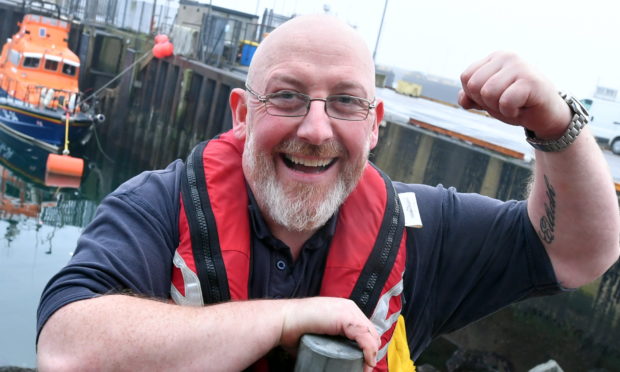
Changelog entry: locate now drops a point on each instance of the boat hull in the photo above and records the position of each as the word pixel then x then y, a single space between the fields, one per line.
pixel 24 157
pixel 44 124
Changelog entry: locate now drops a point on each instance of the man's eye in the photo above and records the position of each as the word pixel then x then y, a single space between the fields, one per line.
pixel 344 99
pixel 347 100
pixel 285 95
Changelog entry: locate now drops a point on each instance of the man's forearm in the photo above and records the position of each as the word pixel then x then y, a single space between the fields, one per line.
pixel 574 209
pixel 573 204
pixel 118 332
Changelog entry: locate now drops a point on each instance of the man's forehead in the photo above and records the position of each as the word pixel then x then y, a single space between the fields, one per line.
pixel 314 38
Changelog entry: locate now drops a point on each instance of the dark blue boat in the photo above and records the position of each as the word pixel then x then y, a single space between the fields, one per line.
pixel 44 124
pixel 39 95
pixel 24 156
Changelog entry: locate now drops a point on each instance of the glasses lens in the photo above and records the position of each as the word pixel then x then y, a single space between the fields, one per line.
pixel 347 107
pixel 287 104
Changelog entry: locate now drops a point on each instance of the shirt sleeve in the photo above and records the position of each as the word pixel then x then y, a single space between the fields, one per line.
pixel 127 248
pixel 473 256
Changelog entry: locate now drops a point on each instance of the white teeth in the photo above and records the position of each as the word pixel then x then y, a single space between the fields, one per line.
pixel 309 162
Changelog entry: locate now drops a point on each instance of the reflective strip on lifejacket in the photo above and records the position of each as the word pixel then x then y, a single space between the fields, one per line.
pixel 191 283
pixel 380 318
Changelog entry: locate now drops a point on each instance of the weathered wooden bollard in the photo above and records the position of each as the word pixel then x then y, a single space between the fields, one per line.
pixel 328 354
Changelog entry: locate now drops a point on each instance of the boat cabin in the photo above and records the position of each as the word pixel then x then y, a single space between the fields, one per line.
pixel 37 66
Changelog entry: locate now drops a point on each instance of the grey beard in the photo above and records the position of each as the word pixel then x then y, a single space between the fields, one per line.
pixel 300 207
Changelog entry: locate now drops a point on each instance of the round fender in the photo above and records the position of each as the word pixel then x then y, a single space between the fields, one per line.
pixel 64 165
pixel 161 38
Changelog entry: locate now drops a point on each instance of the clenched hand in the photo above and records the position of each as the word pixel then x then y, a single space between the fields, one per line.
pixel 512 91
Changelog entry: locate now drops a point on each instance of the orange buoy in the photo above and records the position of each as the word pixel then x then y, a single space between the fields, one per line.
pixel 161 38
pixel 64 171
pixel 168 48
pixel 163 50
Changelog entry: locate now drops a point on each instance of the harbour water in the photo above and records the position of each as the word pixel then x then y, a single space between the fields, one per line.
pixel 30 253
pixel 39 228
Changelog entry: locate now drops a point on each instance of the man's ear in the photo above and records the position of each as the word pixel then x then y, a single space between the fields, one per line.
pixel 239 112
pixel 374 136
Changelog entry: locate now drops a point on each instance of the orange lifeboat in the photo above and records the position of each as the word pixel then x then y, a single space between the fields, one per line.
pixel 39 94
pixel 39 82
pixel 36 65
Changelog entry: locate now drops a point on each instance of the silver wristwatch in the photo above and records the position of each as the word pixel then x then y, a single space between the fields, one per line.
pixel 581 117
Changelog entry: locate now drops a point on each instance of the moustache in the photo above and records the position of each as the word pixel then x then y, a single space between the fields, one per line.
pixel 331 149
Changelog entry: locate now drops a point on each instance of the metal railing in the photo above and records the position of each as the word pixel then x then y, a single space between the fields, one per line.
pixel 221 39
pixel 38 96
pixel 144 16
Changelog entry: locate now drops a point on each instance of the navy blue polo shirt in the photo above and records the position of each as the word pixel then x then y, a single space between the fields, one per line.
pixel 274 274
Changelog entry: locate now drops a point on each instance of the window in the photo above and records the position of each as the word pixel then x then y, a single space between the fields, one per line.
pixel 68 69
pixel 31 62
pixel 42 31
pixel 14 57
pixel 51 65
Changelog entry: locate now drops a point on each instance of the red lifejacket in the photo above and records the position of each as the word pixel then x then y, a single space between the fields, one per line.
pixel 366 258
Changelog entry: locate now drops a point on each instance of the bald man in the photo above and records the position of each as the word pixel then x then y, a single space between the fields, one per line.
pixel 286 210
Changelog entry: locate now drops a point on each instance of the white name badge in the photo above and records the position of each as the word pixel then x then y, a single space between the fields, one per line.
pixel 410 209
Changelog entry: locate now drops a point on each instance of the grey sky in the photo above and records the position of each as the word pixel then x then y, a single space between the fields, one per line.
pixel 575 43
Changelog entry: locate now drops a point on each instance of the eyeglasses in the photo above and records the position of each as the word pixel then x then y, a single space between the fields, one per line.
pixel 293 104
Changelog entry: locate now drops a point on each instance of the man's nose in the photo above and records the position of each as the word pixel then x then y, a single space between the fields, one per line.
pixel 316 126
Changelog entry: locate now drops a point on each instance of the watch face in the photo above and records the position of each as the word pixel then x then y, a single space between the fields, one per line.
pixel 580 109
pixel 577 107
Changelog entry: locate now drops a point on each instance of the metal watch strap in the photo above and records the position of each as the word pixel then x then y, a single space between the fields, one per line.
pixel 579 120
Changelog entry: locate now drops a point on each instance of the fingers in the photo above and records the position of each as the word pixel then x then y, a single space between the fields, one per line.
pixel 330 316
pixel 466 102
pixel 366 337
pixel 484 83
pixel 471 85
pixel 477 84
pixel 512 99
pixel 508 89
pixel 469 71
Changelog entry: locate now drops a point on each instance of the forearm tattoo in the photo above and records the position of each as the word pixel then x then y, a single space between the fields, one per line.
pixel 547 222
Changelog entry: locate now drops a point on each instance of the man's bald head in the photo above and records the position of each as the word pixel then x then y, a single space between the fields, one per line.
pixel 311 34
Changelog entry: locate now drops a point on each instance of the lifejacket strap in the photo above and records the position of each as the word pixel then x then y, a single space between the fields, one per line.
pixel 203 231
pixel 373 277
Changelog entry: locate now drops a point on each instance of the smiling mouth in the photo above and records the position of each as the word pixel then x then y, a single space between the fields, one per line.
pixel 307 165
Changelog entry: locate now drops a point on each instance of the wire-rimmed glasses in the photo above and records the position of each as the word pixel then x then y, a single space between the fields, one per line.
pixel 294 104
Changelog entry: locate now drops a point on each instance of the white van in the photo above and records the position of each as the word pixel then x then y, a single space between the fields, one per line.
pixel 605 122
